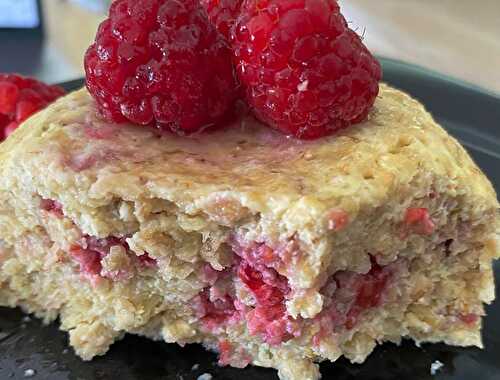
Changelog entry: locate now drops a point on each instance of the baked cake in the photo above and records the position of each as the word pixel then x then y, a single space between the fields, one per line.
pixel 272 251
pixel 329 215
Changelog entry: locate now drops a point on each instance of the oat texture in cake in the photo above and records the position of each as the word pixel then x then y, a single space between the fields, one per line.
pixel 271 251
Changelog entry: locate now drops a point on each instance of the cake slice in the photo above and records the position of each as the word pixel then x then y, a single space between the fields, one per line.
pixel 271 251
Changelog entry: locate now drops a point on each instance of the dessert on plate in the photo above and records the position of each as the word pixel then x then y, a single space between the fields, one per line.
pixel 277 251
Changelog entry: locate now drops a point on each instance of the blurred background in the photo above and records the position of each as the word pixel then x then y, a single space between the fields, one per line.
pixel 47 38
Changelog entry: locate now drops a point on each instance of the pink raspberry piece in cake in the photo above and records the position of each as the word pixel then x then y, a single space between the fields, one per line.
pixel 53 207
pixel 419 221
pixel 338 219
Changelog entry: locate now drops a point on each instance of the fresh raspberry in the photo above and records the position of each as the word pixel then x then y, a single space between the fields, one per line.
pixel 21 97
pixel 162 63
pixel 305 72
pixel 223 14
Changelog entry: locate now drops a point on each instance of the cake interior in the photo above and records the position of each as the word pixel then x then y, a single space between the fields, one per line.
pixel 234 296
pixel 257 256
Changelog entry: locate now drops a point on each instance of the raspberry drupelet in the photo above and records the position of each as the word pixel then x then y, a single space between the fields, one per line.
pixel 305 72
pixel 21 97
pixel 223 14
pixel 161 63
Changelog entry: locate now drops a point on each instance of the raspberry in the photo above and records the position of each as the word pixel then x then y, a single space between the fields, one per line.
pixel 469 319
pixel 269 318
pixel 232 356
pixel 266 293
pixel 338 219
pixel 370 288
pixel 223 14
pixel 92 251
pixel 162 63
pixel 21 97
pixel 89 261
pixel 225 351
pixel 52 207
pixel 305 72
pixel 419 220
pixel 351 294
pixel 213 313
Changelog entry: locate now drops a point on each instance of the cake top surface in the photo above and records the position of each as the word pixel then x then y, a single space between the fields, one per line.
pixel 86 162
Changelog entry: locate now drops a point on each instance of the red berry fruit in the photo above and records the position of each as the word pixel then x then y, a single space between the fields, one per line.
pixel 21 97
pixel 162 63
pixel 223 13
pixel 305 72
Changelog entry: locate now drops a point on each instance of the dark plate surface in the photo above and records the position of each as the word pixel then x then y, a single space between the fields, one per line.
pixel 472 115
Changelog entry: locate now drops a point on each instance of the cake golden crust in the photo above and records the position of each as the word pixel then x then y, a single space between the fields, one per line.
pixel 337 207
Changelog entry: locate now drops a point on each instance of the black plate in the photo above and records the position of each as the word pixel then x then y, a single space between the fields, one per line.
pixel 469 113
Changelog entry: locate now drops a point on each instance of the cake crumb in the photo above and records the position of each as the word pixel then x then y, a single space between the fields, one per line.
pixel 308 156
pixel 205 376
pixel 29 372
pixel 195 367
pixel 436 366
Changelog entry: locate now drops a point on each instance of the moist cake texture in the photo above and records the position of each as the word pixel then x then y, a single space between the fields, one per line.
pixel 271 251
